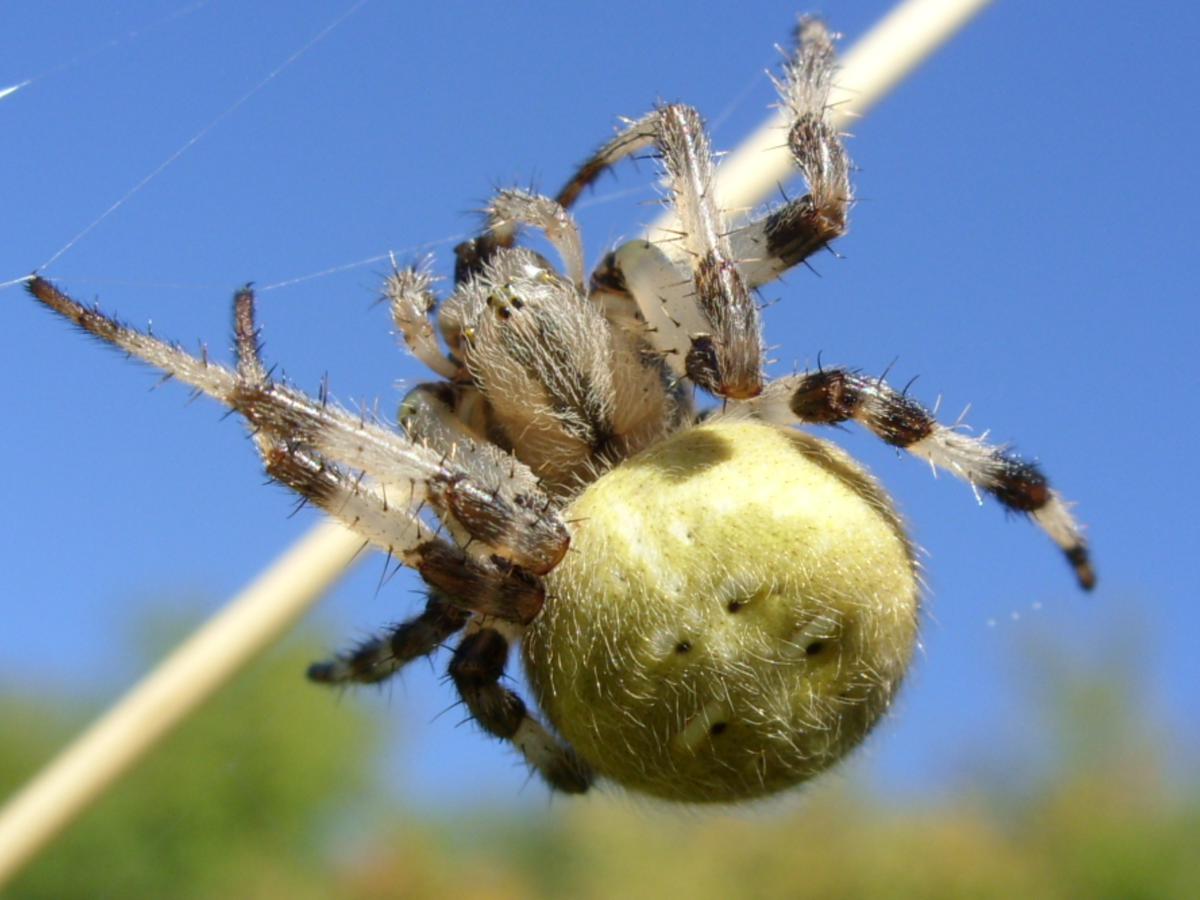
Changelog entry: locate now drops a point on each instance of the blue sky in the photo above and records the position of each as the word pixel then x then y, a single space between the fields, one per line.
pixel 1025 243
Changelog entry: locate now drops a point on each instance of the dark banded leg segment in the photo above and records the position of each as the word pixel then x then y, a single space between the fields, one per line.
pixel 315 449
pixel 768 247
pixel 499 505
pixel 382 656
pixel 477 668
pixel 831 396
pixel 489 586
pixel 704 321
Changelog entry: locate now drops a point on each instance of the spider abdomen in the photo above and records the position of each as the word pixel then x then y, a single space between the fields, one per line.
pixel 736 612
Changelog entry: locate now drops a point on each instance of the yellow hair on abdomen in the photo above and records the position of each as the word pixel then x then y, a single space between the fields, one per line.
pixel 736 611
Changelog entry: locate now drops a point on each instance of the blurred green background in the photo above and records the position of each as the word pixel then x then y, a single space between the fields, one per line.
pixel 275 790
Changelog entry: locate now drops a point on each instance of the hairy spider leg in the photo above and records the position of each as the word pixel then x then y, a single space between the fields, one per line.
pixel 830 396
pixel 767 247
pixel 381 656
pixel 702 317
pixel 512 208
pixel 693 293
pixel 411 298
pixel 476 669
pixel 295 434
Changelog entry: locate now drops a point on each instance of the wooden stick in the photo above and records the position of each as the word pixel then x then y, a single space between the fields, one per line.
pixel 209 658
pixel 877 62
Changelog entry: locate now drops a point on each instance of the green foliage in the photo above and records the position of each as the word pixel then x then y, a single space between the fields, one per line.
pixel 263 795
pixel 239 802
pixel 1101 819
pixel 834 846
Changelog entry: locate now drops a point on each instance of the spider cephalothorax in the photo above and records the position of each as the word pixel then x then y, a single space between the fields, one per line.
pixel 712 607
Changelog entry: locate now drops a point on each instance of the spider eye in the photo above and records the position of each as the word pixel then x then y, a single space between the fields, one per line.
pixel 504 300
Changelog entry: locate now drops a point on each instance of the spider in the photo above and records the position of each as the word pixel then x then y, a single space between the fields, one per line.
pixel 711 605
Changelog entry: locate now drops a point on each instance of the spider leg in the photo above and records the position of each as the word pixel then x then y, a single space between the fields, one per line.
pixel 476 669
pixel 439 416
pixel 661 292
pixel 510 208
pixel 702 317
pixel 769 246
pixel 296 437
pixel 382 656
pixel 447 417
pixel 830 396
pixel 514 519
pixel 489 586
pixel 410 296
